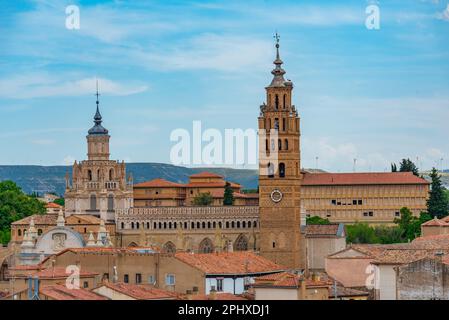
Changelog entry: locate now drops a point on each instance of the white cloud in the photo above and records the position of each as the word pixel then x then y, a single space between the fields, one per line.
pixel 444 15
pixel 43 85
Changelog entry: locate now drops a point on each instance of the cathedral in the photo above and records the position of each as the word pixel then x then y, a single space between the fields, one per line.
pixel 99 185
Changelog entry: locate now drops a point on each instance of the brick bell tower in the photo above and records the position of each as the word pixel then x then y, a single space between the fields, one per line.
pixel 279 172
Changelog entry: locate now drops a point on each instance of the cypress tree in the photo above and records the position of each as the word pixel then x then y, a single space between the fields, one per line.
pixel 437 204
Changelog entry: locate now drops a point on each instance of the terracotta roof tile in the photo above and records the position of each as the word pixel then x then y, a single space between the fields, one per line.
pixel 61 292
pixel 287 279
pixel 243 262
pixel 159 183
pixel 326 230
pixel 218 296
pixel 60 272
pixel 311 179
pixel 205 174
pixel 47 219
pixel 142 291
pixel 435 223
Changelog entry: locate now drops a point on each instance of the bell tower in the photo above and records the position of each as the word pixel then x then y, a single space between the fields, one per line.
pixel 279 172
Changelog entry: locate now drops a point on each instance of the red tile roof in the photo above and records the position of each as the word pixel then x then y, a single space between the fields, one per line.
pixel 287 280
pixel 378 178
pixel 61 292
pixel 142 291
pixel 60 272
pixel 206 174
pixel 217 296
pixel 324 230
pixel 232 263
pixel 210 184
pixel 159 183
pixel 39 219
pixel 435 223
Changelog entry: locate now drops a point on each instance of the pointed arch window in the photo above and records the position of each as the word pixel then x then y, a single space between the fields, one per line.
pixel 89 175
pixel 279 144
pixel 241 244
pixel 276 102
pixel 111 174
pixel 286 144
pixel 284 102
pixel 206 246
pixel 169 247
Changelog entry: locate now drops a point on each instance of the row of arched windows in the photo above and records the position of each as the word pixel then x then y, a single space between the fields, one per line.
pixel 281 170
pixel 90 175
pixel 193 225
pixel 19 232
pixel 277 102
pixel 280 147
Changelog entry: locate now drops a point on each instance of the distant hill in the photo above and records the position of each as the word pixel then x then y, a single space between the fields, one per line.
pixel 46 179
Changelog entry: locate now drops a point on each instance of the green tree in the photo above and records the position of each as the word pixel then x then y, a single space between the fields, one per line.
pixel 360 233
pixel 60 201
pixel 317 220
pixel 15 205
pixel 407 165
pixel 437 204
pixel 228 197
pixel 203 199
pixel 388 234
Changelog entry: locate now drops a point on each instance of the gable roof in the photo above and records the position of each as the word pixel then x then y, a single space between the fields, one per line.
pixel 229 263
pixel 366 178
pixel 435 222
pixel 53 205
pixel 58 273
pixel 47 219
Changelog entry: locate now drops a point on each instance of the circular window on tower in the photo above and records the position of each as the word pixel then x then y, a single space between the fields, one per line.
pixel 276 195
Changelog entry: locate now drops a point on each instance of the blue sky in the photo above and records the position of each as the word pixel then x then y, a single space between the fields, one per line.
pixel 375 95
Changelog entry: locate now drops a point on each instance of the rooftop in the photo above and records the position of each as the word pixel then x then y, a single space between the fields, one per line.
pixel 229 263
pixel 288 280
pixel 48 219
pixel 435 222
pixel 325 230
pixel 367 178
pixel 142 291
pixel 61 292
pixel 159 183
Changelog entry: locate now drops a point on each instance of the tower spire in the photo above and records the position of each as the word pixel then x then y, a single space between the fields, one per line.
pixel 277 72
pixel 98 128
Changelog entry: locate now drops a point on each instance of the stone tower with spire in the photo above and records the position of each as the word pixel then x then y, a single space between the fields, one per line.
pixel 279 172
pixel 99 186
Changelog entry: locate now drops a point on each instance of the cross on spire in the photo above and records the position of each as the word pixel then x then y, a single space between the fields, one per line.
pixel 97 94
pixel 277 37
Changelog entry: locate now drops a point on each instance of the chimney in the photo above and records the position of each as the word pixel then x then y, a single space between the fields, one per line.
pixel 212 293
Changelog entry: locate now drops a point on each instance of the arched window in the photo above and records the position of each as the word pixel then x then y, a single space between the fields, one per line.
pixel 244 224
pixel 111 174
pixel 176 225
pixel 286 144
pixel 276 102
pixel 266 144
pixel 279 144
pixel 154 225
pixel 238 224
pixel 255 224
pixel 232 224
pixel 249 224
pixel 192 226
pixel 270 170
pixel 19 233
pixel 137 225
pixel 227 224
pixel 169 225
pixel 283 124
pixel 169 247
pixel 110 202
pixel 204 225
pixel 241 244
pixel 214 225
pixel 208 225
pixel 122 225
pixel 219 224
pixel 160 225
pixel 165 225
pixel 185 225
pixel 282 170
pixel 93 202
pixel 89 175
pixel 285 99
pixel 198 225
pixel 132 225
pixel 206 246
pixel 148 225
